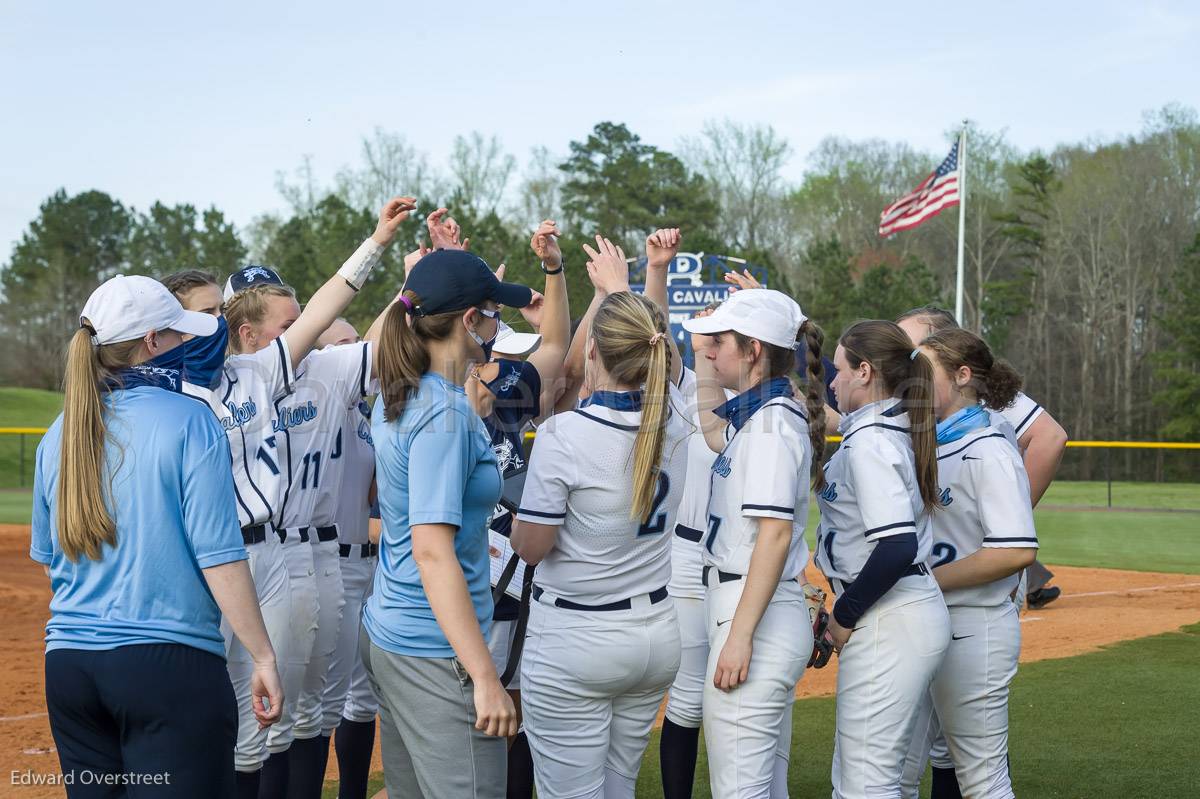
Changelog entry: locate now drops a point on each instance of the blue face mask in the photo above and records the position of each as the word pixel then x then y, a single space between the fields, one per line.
pixel 957 425
pixel 162 371
pixel 204 356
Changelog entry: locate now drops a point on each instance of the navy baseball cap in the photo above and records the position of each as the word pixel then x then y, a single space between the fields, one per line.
pixel 248 277
pixel 455 280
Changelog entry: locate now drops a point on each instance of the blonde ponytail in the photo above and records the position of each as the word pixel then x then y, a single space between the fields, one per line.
pixel 630 334
pixel 84 523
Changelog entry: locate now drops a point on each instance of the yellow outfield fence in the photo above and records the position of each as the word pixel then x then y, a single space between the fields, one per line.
pixel 22 432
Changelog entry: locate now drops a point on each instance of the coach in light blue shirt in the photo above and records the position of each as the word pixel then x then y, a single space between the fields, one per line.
pixel 135 523
pixel 435 467
pixel 444 713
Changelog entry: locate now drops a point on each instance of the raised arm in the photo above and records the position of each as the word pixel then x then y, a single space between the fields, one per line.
pixel 709 394
pixel 661 247
pixel 550 357
pixel 443 233
pixel 332 298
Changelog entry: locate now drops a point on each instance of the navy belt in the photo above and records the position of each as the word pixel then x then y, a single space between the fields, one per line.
pixel 656 596
pixel 722 577
pixel 284 534
pixel 688 534
pixel 254 534
pixel 911 571
pixel 364 550
pixel 327 533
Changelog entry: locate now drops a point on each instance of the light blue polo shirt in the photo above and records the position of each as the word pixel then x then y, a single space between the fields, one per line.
pixel 173 503
pixel 433 465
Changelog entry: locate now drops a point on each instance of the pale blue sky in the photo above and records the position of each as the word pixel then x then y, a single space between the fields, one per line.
pixel 205 102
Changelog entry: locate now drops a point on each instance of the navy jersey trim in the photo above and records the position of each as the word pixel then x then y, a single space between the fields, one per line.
pixel 688 533
pixel 776 508
pixel 541 514
pixel 229 388
pixel 910 523
pixel 364 372
pixel 627 427
pixel 250 480
pixel 969 443
pixel 287 367
pixel 787 407
pixel 288 442
pixel 1021 427
pixel 853 433
pixel 1008 539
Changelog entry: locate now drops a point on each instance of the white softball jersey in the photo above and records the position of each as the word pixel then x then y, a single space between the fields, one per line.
pixel 1016 418
pixel 687 543
pixel 762 473
pixel 243 401
pixel 984 498
pixel 871 491
pixel 581 478
pixel 358 452
pixel 308 425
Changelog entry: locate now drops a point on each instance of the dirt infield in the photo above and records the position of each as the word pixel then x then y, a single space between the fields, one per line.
pixel 1098 607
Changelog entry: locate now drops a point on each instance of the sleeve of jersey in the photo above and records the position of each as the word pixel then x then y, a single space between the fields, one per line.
pixel 770 474
pixel 1004 504
pixel 210 519
pixel 439 462
pixel 347 369
pixel 1022 413
pixel 876 470
pixel 549 481
pixel 41 549
pixel 274 367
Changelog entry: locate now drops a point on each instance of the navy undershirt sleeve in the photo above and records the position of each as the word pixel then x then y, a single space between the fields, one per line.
pixel 885 565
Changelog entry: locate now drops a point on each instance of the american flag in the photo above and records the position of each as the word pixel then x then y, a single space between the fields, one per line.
pixel 938 191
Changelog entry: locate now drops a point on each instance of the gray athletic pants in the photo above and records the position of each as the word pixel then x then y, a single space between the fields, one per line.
pixel 431 749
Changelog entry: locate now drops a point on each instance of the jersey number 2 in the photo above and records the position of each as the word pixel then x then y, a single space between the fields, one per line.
pixel 657 522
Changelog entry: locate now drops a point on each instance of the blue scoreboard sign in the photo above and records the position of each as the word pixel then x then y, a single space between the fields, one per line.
pixel 695 280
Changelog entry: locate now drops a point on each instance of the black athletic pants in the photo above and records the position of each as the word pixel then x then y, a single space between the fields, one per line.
pixel 142 721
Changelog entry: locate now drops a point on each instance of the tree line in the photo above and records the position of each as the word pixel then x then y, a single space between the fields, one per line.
pixel 1082 261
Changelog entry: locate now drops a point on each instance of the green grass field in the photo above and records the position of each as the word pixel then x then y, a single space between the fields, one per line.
pixel 23 407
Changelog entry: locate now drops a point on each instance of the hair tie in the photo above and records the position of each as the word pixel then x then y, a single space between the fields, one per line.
pixel 912 356
pixel 406 301
pixel 657 337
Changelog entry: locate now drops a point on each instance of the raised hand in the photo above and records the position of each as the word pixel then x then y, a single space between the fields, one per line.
pixel 607 268
pixel 661 247
pixel 744 280
pixel 545 244
pixel 535 310
pixel 444 231
pixel 395 211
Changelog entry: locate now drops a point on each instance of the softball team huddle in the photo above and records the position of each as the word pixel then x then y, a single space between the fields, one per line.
pixel 221 608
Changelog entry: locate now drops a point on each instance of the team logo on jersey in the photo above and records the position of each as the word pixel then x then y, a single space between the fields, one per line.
pixel 364 432
pixel 510 380
pixel 722 465
pixel 944 498
pixel 829 492
pixel 239 414
pixel 294 416
pixel 507 455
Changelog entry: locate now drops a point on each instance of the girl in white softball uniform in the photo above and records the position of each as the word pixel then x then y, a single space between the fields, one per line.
pixel 983 536
pixel 889 622
pixel 596 518
pixel 754 550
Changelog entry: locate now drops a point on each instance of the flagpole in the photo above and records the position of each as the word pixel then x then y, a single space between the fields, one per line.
pixel 962 209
